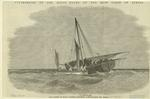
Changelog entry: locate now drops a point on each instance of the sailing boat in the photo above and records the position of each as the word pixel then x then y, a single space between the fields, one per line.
pixel 83 64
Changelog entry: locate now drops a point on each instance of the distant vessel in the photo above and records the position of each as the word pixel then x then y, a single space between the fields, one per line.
pixel 83 64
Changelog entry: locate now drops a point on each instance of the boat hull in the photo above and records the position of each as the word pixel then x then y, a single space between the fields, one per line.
pixel 93 67
pixel 105 66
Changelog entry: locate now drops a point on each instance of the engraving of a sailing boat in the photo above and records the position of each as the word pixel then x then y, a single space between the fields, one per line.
pixel 82 63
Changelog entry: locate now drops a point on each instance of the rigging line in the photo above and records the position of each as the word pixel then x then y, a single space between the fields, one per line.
pixel 88 45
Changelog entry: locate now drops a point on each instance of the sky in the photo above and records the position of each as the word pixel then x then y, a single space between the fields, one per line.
pixel 26 16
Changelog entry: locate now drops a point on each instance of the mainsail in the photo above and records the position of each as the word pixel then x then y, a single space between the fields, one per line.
pixel 77 50
pixel 78 46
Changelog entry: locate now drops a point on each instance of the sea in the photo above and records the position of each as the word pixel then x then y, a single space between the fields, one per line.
pixel 50 81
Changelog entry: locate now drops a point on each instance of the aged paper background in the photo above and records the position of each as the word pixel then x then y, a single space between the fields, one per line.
pixel 9 28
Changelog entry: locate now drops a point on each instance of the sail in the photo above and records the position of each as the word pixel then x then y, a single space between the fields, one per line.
pixel 79 39
pixel 56 59
pixel 108 56
pixel 77 48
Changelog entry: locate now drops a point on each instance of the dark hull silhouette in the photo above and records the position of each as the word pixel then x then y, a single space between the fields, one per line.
pixel 102 67
pixel 104 63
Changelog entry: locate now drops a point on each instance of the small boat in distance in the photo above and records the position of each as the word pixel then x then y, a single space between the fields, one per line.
pixel 83 64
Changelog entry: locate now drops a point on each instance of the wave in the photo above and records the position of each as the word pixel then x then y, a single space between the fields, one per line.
pixel 113 82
